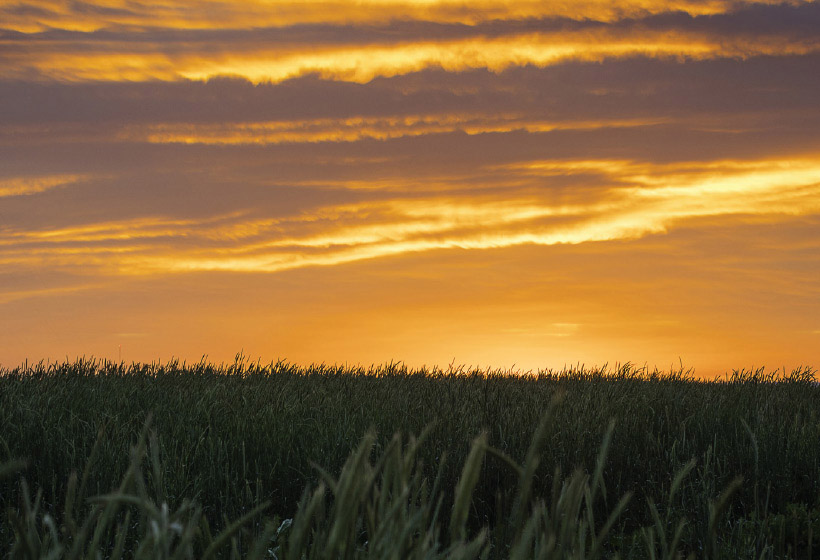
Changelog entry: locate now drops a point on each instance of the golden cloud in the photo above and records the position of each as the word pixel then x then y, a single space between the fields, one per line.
pixel 21 186
pixel 642 199
pixel 358 128
pixel 362 63
pixel 211 14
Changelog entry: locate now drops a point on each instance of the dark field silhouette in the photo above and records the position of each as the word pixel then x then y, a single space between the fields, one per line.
pixel 245 460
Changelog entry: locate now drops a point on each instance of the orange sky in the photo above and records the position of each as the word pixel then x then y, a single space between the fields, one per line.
pixel 492 183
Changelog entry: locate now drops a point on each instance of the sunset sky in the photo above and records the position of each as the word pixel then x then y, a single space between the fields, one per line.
pixel 493 183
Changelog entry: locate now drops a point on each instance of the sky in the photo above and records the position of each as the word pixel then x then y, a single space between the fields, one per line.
pixel 518 185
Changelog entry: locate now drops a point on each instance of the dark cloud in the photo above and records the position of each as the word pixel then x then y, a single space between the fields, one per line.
pixel 790 21
pixel 617 89
pixel 24 9
pixel 84 8
pixel 129 180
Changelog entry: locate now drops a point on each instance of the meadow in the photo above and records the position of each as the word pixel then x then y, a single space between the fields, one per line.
pixel 244 460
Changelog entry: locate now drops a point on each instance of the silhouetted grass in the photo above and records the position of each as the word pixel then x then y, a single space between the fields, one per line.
pixel 488 476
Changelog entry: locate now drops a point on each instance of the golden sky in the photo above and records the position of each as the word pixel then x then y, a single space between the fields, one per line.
pixel 491 183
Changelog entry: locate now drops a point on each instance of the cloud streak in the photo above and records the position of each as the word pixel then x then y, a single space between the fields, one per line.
pixel 36 15
pixel 512 35
pixel 645 199
pixel 358 128
pixel 363 63
pixel 22 186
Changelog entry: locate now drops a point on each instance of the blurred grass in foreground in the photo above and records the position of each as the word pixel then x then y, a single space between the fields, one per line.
pixel 573 464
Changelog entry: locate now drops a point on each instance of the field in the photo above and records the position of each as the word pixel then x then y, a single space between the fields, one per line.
pixel 263 461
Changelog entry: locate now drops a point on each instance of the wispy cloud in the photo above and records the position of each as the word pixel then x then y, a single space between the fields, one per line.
pixel 37 15
pixel 21 186
pixel 643 199
pixel 358 128
pixel 362 63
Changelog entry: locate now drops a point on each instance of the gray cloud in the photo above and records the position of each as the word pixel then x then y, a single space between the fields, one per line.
pixel 793 21
pixel 628 88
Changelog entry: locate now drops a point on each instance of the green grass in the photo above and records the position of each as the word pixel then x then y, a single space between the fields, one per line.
pixel 321 462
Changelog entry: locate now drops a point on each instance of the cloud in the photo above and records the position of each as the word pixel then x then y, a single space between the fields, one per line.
pixel 359 53
pixel 21 186
pixel 642 199
pixel 724 90
pixel 35 15
pixel 358 128
pixel 363 63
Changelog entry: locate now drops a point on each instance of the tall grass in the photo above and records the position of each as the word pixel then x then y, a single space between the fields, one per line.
pixel 646 464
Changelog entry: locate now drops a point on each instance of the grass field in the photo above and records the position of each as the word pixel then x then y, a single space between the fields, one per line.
pixel 244 460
